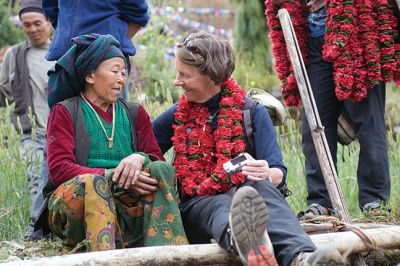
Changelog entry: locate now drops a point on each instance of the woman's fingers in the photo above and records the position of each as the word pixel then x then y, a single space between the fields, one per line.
pixel 255 178
pixel 145 184
pixel 129 179
pixel 117 172
pixel 141 191
pixel 256 170
pixel 128 170
pixel 136 174
pixel 147 179
pixel 146 187
pixel 123 176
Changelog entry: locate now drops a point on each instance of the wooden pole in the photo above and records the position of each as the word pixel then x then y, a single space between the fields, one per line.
pixel 317 130
pixel 387 238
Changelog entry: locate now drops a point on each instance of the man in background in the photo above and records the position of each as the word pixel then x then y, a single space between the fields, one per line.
pixel 23 80
pixel 71 18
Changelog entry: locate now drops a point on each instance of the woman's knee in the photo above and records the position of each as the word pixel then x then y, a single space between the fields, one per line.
pixel 163 171
pixel 72 192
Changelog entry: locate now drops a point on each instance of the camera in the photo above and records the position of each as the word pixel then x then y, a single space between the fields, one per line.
pixel 235 165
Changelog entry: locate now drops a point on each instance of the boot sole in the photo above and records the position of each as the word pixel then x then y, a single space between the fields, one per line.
pixel 248 220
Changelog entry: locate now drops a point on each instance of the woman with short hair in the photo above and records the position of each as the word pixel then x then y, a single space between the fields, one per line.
pixel 205 129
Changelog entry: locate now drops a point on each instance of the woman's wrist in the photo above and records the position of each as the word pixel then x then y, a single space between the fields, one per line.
pixel 275 176
pixel 144 157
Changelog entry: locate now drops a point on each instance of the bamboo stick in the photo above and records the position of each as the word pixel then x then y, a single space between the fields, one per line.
pixel 317 130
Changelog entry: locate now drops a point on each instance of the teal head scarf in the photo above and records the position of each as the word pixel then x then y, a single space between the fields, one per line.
pixel 67 78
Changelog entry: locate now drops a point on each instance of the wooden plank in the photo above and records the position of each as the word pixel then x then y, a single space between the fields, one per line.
pixel 387 238
pixel 317 130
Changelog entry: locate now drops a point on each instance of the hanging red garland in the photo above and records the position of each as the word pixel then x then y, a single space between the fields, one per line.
pixel 359 42
pixel 200 153
pixel 298 12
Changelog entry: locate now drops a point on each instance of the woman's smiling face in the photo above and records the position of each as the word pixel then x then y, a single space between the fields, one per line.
pixel 106 82
pixel 196 87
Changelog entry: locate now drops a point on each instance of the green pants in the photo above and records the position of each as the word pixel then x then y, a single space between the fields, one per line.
pixel 89 213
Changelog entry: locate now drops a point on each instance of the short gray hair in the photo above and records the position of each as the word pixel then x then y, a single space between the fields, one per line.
pixel 211 54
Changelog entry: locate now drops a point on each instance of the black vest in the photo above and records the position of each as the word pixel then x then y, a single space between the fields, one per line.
pixel 82 139
pixel 21 88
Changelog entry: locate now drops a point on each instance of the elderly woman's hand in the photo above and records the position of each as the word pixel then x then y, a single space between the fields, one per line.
pixel 128 170
pixel 144 185
pixel 257 170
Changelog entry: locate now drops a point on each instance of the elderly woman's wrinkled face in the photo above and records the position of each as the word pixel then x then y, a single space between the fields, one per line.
pixel 106 82
pixel 197 87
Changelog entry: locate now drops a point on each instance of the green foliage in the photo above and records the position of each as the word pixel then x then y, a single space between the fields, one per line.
pixel 251 75
pixel 251 40
pixel 9 34
pixel 14 199
pixel 157 68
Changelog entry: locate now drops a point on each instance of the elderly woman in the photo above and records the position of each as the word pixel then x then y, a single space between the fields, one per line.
pixel 103 157
pixel 205 129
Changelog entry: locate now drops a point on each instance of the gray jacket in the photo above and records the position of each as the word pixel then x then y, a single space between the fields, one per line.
pixel 19 89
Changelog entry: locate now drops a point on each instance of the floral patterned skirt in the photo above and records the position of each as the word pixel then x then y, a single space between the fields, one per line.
pixel 89 214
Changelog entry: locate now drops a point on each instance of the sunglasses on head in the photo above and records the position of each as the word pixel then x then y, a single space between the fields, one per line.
pixel 189 44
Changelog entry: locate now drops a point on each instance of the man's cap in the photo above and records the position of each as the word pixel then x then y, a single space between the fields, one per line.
pixel 30 6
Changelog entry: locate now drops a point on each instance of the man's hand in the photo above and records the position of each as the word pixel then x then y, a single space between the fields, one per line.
pixel 133 28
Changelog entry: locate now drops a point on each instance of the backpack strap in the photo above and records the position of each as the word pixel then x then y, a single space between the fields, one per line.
pixel 132 109
pixel 248 115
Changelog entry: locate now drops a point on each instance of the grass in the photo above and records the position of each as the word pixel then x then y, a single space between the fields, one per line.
pixel 14 199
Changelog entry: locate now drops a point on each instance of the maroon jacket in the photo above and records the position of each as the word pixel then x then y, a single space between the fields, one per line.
pixel 61 143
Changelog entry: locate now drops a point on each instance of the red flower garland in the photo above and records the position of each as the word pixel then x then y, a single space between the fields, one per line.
pixel 298 13
pixel 359 42
pixel 386 26
pixel 199 154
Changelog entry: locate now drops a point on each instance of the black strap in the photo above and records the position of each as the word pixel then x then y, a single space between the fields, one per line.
pixel 248 114
pixel 82 139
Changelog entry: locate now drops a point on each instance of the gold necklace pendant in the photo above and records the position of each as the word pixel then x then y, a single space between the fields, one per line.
pixel 110 139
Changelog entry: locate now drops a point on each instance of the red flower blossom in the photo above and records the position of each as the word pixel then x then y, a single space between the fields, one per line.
pixel 358 41
pixel 198 167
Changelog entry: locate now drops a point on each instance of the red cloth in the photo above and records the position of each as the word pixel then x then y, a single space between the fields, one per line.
pixel 61 143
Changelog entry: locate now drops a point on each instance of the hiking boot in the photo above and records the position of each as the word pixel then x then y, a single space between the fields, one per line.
pixel 322 256
pixel 248 223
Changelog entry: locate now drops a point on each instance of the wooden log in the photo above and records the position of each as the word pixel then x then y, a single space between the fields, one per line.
pixel 387 238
